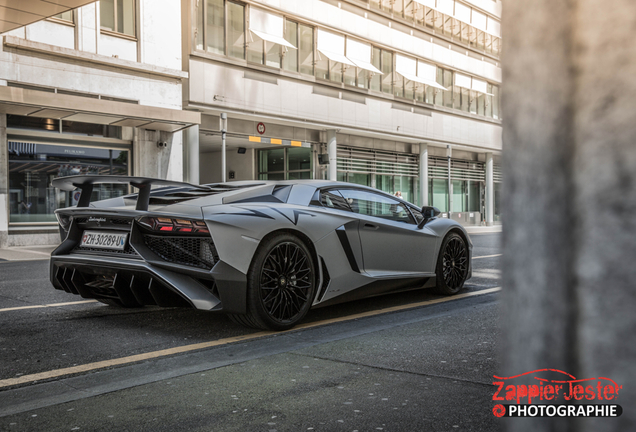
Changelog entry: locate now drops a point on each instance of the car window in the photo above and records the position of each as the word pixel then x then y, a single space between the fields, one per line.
pixel 333 199
pixel 419 217
pixel 377 205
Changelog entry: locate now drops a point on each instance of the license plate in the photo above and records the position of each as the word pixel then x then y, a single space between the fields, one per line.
pixel 104 240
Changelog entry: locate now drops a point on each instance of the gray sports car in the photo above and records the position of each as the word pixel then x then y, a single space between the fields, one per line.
pixel 262 252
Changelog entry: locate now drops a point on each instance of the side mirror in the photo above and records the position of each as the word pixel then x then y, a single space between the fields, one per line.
pixel 428 213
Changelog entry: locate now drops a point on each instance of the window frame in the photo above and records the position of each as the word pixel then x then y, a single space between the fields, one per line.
pixel 405 205
pixel 115 31
pixel 285 171
pixel 57 19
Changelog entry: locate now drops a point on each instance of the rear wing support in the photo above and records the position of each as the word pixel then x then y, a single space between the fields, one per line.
pixel 144 184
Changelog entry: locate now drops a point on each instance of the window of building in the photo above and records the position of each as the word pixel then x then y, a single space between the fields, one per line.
pixel 65 126
pixel 290 57
pixel 65 16
pixel 287 163
pixel 332 62
pixel 376 59
pixel 236 30
pixel 221 27
pixel 32 167
pixel 438 194
pixel 306 49
pixel 269 38
pixel 214 26
pixel 360 54
pixel 496 112
pixel 387 71
pixel 452 19
pixel 382 61
pixel 118 16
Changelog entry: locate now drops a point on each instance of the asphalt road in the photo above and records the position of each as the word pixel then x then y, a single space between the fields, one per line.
pixel 434 363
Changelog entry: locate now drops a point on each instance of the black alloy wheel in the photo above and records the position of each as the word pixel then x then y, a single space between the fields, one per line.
pixel 452 265
pixel 281 284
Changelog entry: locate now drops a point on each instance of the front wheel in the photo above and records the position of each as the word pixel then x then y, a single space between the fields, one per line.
pixel 452 265
pixel 281 284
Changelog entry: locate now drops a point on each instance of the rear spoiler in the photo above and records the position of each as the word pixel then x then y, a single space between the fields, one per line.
pixel 144 184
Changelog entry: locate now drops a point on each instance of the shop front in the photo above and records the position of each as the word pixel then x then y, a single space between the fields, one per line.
pixel 33 165
pixel 46 134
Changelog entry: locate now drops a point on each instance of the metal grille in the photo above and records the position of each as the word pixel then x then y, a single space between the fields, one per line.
pixel 460 170
pixel 191 251
pixel 373 162
pixel 497 175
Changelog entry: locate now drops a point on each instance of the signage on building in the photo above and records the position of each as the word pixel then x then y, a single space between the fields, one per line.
pixel 260 128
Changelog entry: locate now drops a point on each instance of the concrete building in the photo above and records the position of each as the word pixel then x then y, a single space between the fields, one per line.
pixel 401 95
pixel 396 94
pixel 89 89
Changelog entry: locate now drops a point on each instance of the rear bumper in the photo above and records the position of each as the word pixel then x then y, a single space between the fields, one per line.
pixel 135 281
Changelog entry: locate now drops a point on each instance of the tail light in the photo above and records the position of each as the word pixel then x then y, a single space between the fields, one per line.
pixel 163 224
pixel 63 220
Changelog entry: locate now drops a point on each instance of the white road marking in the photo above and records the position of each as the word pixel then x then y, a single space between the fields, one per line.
pixel 47 305
pixel 487 256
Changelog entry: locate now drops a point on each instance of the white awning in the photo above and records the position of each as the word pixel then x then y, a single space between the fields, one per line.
pixel 333 46
pixel 446 6
pixel 423 81
pixel 336 57
pixel 480 86
pixel 272 38
pixel 426 71
pixel 360 54
pixel 478 20
pixel 462 12
pixel 407 67
pixel 463 81
pixel 268 26
pixel 494 27
pixel 471 83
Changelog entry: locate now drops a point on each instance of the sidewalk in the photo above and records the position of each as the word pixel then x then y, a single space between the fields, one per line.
pixel 27 253
pixel 484 229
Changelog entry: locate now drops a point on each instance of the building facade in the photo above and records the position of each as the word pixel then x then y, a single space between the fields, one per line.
pixel 95 89
pixel 400 95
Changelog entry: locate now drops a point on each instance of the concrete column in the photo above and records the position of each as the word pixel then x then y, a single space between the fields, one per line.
pixel 191 154
pixel 449 154
pixel 423 174
pixel 332 149
pixel 4 183
pixel 569 198
pixel 490 190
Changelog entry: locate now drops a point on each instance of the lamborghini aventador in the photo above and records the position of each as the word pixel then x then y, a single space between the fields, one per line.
pixel 262 252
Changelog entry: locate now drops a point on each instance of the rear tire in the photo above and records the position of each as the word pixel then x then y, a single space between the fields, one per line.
pixel 281 284
pixel 452 265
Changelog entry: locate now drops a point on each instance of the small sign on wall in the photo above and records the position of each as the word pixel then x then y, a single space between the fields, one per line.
pixel 260 128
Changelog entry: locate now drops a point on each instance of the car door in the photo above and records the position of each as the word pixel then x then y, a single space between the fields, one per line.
pixel 391 242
